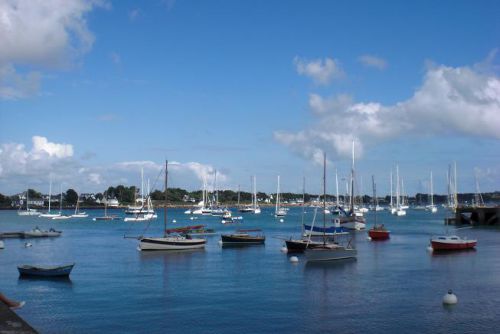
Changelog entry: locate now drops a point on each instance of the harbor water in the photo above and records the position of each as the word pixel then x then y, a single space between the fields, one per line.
pixel 394 286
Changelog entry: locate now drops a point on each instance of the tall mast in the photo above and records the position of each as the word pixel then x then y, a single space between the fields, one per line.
pixel 303 198
pixel 352 180
pixel 455 196
pixel 277 196
pixel 60 200
pixel 165 207
pixel 238 195
pixel 50 191
pixel 142 186
pixel 391 191
pixel 432 192
pixel 337 187
pixel 216 190
pixel 397 187
pixel 27 199
pixel 374 198
pixel 324 198
pixel 255 191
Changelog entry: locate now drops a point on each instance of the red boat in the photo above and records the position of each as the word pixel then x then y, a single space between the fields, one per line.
pixel 379 232
pixel 451 242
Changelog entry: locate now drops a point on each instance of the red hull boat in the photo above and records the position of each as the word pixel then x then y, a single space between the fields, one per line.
pixel 379 233
pixel 449 243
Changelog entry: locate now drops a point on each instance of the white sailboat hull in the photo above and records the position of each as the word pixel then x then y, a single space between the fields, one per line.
pixel 354 225
pixel 170 243
pixel 49 215
pixel 28 213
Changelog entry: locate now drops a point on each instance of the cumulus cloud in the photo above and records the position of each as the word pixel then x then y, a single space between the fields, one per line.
pixel 373 61
pixel 321 71
pixel 22 167
pixel 450 101
pixel 40 34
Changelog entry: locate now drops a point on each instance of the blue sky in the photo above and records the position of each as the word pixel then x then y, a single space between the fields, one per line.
pixel 248 87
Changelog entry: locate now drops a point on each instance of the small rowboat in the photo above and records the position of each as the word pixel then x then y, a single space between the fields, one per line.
pixel 45 271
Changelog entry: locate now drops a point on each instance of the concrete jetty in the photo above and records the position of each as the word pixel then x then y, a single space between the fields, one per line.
pixel 476 216
pixel 11 323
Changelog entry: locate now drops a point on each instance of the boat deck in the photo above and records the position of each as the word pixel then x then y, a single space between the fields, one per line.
pixel 10 322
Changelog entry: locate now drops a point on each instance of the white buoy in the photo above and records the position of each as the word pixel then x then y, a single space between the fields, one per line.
pixel 220 242
pixel 294 259
pixel 174 221
pixel 191 218
pixel 2 245
pixel 430 249
pixel 282 220
pixel 450 298
pixel 368 238
pixel 284 249
pixel 28 244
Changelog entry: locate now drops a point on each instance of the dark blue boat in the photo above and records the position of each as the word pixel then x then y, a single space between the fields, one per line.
pixel 331 230
pixel 44 271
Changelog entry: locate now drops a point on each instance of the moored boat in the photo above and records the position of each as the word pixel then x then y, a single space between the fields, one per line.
pixel 451 243
pixel 243 237
pixel 168 242
pixel 379 232
pixel 45 271
pixel 38 233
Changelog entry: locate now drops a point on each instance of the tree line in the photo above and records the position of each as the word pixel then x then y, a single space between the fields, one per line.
pixel 128 195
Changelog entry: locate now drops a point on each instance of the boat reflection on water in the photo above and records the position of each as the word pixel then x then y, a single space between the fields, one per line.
pixel 177 255
pixel 337 264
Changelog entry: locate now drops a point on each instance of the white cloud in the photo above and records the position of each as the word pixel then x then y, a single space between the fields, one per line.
pixel 450 101
pixel 321 71
pixel 373 61
pixel 40 34
pixel 22 167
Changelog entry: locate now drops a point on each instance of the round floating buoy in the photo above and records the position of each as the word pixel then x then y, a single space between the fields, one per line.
pixel 191 218
pixel 282 220
pixel 28 244
pixel 294 259
pixel 174 221
pixel 368 238
pixel 284 249
pixel 450 298
pixel 220 242
pixel 429 248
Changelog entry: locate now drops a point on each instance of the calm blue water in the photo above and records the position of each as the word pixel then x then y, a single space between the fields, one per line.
pixel 393 287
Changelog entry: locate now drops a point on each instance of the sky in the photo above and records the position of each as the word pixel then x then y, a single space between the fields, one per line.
pixel 93 91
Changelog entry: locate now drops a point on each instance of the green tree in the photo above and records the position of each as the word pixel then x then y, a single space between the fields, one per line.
pixel 71 197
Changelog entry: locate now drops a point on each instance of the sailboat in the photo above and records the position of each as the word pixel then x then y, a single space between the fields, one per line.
pixel 78 213
pixel 351 220
pixel 254 207
pixel 392 208
pixel 377 232
pixel 48 214
pixel 399 210
pixel 28 211
pixel 328 251
pixel 135 209
pixel 146 213
pixel 279 211
pixel 106 217
pixel 61 216
pixel 169 242
pixel 431 207
pixel 300 245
